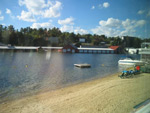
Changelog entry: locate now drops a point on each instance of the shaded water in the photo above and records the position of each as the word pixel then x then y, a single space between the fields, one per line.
pixel 25 73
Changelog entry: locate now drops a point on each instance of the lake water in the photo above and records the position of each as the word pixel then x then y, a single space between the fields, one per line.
pixel 26 73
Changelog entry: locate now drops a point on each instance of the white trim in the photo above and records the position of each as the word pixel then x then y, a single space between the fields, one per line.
pixel 95 49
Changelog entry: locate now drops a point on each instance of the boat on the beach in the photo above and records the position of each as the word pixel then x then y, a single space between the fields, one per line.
pixel 129 61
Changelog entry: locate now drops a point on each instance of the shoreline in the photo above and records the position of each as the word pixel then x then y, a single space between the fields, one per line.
pixel 107 94
pixel 5 100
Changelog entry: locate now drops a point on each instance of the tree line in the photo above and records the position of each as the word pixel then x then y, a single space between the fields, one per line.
pixel 38 37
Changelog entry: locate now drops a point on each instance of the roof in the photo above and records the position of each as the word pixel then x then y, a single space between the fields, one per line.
pixel 70 45
pixel 95 49
pixel 27 47
pixel 114 47
pixel 146 43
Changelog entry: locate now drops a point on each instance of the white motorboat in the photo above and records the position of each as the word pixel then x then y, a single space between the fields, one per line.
pixel 129 61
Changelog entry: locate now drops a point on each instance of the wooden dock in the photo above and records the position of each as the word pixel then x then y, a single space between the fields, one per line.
pixel 83 65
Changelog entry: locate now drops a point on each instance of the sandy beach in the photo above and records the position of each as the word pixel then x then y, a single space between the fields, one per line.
pixel 106 95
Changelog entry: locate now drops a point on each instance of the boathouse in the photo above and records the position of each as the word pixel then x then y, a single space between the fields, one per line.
pixel 96 50
pixel 70 49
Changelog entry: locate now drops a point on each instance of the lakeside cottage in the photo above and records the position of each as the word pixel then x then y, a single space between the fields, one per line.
pixel 70 49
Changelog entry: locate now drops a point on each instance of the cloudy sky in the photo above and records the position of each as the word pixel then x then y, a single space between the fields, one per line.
pixel 108 17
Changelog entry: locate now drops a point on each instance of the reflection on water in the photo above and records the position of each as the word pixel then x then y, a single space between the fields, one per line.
pixel 23 73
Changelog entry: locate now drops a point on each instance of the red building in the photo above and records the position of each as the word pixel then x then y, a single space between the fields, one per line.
pixel 116 49
pixel 70 49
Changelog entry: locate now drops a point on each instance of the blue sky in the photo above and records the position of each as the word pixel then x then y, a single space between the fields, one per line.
pixel 108 17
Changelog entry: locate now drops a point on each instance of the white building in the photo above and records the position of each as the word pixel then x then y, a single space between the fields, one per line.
pixel 82 40
pixel 145 52
pixel 132 50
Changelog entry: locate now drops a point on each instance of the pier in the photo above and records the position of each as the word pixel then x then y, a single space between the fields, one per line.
pixel 28 48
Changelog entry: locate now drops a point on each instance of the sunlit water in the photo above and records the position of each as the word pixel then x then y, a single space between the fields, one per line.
pixel 26 73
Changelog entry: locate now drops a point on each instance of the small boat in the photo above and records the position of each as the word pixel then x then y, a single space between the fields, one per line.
pixel 83 65
pixel 129 61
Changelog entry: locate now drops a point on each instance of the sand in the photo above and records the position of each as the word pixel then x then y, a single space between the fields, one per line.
pixel 106 95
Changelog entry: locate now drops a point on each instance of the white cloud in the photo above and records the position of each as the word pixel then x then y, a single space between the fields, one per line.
pixel 67 28
pixel 140 23
pixel 69 21
pixel 111 22
pixel 33 6
pixel 93 7
pixel 8 11
pixel 128 24
pixel 41 9
pixel 70 28
pixel 131 24
pixel 106 4
pixel 140 12
pixel 3 24
pixel 42 25
pixel 116 27
pixel 26 16
pixel 105 31
pixel 80 31
pixel 53 11
pixel 1 17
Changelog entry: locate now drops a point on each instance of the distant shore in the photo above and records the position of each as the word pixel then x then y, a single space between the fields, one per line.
pixel 105 95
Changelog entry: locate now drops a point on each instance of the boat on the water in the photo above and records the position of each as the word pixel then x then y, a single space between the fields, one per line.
pixel 129 61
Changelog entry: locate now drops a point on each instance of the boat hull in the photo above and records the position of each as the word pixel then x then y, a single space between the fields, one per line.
pixel 123 62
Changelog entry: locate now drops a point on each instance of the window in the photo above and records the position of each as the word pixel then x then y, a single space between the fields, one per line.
pixel 94 51
pixel 85 51
pixel 112 51
pixel 73 51
pixel 81 51
pixel 90 51
pixel 64 50
pixel 99 51
pixel 68 49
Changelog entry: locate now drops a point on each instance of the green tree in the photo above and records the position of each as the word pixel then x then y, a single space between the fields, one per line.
pixel 137 43
pixel 1 29
pixel 11 29
pixel 116 41
pixel 40 42
pixel 21 39
pixel 5 35
pixel 13 39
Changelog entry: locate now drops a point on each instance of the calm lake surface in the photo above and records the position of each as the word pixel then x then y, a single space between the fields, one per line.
pixel 26 73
